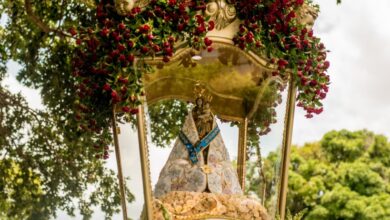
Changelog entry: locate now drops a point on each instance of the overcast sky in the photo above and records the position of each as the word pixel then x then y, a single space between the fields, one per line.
pixel 358 34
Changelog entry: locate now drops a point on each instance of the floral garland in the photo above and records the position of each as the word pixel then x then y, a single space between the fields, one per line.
pixel 105 53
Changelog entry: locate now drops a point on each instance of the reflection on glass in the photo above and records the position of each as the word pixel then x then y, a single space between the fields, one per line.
pixel 263 167
pixel 128 142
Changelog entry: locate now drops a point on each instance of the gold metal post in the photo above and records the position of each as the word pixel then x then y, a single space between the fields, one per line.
pixel 144 154
pixel 119 164
pixel 241 160
pixel 288 129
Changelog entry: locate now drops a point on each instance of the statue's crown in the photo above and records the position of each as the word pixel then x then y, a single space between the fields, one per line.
pixel 201 92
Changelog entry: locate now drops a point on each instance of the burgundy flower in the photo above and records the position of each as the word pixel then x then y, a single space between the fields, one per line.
pixel 211 25
pixel 144 28
pixel 144 49
pixel 326 65
pixel 121 47
pixel 107 87
pixel 309 115
pixel 130 58
pixel 122 58
pixel 207 41
pixel 72 31
pixel 134 111
pixel 121 26
pixel 123 80
pixel 201 29
pixel 282 63
pixel 126 109
pixel 104 32
pixel 114 96
pixel 166 59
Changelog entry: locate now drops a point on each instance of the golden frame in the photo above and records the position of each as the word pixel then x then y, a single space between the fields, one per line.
pixel 243 122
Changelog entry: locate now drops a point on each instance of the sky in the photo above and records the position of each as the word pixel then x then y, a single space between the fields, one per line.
pixel 357 33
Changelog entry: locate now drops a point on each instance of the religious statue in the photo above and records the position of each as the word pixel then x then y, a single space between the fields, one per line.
pixel 198 181
pixel 199 161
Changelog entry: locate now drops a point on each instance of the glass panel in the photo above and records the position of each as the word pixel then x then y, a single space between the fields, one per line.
pixel 263 181
pixel 131 163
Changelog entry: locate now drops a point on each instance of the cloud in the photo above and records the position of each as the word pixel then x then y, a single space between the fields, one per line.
pixel 360 49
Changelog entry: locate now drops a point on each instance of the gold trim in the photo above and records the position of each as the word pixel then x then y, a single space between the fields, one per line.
pixel 260 62
pixel 287 137
pixel 115 130
pixel 145 165
pixel 241 156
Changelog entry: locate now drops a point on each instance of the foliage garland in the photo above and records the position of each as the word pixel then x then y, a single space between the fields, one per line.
pixel 104 57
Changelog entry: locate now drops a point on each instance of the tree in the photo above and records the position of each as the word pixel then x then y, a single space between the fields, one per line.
pixel 346 175
pixel 43 170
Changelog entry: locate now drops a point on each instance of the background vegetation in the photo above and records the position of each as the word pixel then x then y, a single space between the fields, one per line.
pixel 345 175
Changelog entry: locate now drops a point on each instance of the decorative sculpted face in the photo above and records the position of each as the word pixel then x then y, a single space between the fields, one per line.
pixel 199 102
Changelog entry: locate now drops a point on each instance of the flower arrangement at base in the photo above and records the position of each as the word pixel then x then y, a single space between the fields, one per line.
pixel 109 75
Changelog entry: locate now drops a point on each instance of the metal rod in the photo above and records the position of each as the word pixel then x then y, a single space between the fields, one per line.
pixel 119 164
pixel 288 129
pixel 144 154
pixel 241 160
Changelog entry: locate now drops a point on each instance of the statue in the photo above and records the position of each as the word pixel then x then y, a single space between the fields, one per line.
pixel 199 161
pixel 198 181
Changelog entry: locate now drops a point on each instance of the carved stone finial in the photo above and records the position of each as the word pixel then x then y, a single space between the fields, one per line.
pixel 123 7
pixel 221 12
pixel 307 15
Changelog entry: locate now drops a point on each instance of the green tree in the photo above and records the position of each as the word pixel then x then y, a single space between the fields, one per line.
pixel 346 175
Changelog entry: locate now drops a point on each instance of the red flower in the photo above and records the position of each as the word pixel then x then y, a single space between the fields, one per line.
pixel 104 32
pixel 114 96
pixel 166 59
pixel 126 109
pixel 123 80
pixel 326 65
pixel 122 58
pixel 144 28
pixel 144 49
pixel 130 58
pixel 309 115
pixel 282 63
pixel 199 19
pixel 201 29
pixel 121 47
pixel 299 2
pixel 207 41
pixel 72 31
pixel 319 110
pixel 150 37
pixel 134 111
pixel 106 87
pixel 180 27
pixel 121 26
pixel 211 25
